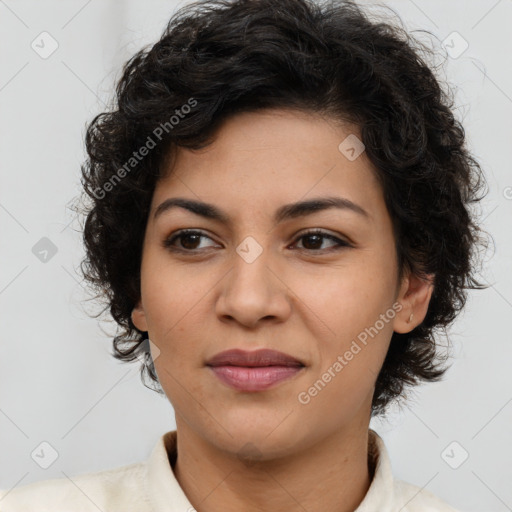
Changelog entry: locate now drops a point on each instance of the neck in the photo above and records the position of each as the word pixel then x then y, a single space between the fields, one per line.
pixel 333 474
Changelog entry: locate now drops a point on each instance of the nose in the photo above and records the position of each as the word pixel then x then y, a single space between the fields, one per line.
pixel 253 292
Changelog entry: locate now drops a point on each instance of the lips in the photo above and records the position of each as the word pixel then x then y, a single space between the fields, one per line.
pixel 256 358
pixel 254 371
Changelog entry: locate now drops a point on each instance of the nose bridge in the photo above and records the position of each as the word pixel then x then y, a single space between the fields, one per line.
pixel 251 264
pixel 251 290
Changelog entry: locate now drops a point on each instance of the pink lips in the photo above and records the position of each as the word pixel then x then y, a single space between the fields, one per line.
pixel 254 371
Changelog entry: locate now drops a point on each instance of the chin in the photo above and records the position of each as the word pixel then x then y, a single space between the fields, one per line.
pixel 258 439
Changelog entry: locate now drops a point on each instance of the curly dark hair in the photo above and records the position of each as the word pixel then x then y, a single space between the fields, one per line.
pixel 219 58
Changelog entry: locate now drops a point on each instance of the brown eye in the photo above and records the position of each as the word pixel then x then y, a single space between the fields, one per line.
pixel 189 240
pixel 313 241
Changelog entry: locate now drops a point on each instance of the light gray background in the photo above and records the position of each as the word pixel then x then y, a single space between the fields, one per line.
pixel 58 382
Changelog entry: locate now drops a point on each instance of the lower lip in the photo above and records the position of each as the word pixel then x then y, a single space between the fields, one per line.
pixel 256 378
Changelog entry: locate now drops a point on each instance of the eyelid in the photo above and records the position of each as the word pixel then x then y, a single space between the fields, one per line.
pixel 326 233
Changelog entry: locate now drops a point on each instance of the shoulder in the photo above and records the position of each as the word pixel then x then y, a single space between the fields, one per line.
pixel 388 494
pixel 120 488
pixel 411 498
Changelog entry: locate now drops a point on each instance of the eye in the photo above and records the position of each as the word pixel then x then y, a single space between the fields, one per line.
pixel 316 238
pixel 189 240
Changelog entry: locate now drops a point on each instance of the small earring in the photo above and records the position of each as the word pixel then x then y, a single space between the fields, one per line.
pixel 410 318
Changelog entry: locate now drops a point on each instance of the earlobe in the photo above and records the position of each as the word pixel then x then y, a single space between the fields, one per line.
pixel 139 317
pixel 415 295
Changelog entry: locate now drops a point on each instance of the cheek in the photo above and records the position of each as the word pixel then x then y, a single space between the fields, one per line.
pixel 351 342
pixel 171 292
pixel 346 299
pixel 349 313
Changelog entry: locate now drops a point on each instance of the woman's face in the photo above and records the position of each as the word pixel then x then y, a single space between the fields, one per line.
pixel 254 281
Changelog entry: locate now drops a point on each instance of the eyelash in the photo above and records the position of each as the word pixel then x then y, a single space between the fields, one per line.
pixel 340 244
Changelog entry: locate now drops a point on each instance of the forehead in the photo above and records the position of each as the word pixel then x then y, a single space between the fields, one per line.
pixel 264 159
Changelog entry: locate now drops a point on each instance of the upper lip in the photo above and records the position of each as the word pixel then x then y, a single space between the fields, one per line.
pixel 261 357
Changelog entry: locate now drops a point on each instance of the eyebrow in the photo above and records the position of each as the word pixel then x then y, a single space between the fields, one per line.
pixel 285 212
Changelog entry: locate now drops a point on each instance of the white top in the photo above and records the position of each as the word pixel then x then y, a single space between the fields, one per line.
pixel 151 486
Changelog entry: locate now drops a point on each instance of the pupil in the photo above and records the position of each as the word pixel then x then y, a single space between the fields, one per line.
pixel 188 236
pixel 315 245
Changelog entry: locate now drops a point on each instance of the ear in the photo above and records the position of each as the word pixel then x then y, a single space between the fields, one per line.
pixel 414 295
pixel 139 317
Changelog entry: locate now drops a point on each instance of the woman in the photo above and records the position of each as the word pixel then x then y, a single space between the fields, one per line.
pixel 278 220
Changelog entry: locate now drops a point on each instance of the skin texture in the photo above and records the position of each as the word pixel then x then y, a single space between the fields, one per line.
pixel 302 296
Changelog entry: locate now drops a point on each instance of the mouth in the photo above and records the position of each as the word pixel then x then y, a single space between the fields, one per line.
pixel 254 371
